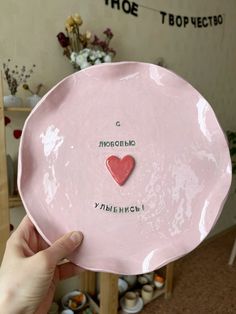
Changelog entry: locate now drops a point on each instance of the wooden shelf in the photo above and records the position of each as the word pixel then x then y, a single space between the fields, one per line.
pixel 17 109
pixel 109 291
pixel 14 201
pixel 95 306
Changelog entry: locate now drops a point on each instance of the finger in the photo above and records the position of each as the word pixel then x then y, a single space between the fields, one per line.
pixel 28 237
pixel 68 270
pixel 24 228
pixel 64 246
pixel 20 236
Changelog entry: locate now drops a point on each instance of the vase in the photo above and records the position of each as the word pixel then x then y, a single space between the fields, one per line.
pixel 12 101
pixel 33 100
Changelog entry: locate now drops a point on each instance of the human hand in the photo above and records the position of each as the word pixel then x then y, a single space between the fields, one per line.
pixel 30 271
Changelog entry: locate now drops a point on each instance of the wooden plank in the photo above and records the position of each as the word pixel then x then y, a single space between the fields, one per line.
pixel 88 282
pixel 108 293
pixel 15 201
pixel 232 254
pixel 18 109
pixel 4 210
pixel 93 304
pixel 169 280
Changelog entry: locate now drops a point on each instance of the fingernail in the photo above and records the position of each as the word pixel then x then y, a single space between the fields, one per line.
pixel 76 237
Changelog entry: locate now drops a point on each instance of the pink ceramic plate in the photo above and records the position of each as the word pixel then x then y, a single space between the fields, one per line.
pixel 134 157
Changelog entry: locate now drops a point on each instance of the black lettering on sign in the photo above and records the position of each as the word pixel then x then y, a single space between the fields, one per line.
pixel 199 22
pixel 210 20
pixel 186 20
pixel 134 9
pixel 115 4
pixel 127 6
pixel 220 19
pixel 171 20
pixel 195 21
pixel 215 20
pixel 204 22
pixel 179 20
pixel 163 14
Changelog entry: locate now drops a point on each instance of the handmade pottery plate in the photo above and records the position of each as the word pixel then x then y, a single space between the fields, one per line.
pixel 131 155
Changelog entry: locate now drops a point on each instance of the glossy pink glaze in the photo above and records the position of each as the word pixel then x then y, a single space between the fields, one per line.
pixel 120 168
pixel 170 201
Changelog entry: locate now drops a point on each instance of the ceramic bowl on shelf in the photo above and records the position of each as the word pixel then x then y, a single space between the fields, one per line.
pixel 159 281
pixel 149 276
pixel 74 300
pixel 131 155
pixel 122 285
pixel 142 280
pixel 135 309
pixel 67 311
pixel 130 279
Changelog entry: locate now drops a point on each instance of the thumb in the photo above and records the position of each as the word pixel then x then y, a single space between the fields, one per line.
pixel 64 246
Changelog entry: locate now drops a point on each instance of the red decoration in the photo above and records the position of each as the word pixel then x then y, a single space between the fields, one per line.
pixel 120 169
pixel 17 133
pixel 7 120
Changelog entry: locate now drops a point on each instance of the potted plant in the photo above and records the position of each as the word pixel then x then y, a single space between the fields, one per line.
pixel 15 76
pixel 83 49
pixel 34 98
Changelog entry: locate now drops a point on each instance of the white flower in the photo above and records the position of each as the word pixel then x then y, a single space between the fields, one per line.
pixel 98 61
pixel 86 50
pixel 73 56
pixel 92 57
pixel 85 64
pixel 87 57
pixel 80 59
pixel 85 53
pixel 96 54
pixel 107 58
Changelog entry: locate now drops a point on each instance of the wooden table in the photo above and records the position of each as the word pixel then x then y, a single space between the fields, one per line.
pixel 109 289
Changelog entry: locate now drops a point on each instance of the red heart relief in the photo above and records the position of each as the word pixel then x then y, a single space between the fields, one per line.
pixel 120 169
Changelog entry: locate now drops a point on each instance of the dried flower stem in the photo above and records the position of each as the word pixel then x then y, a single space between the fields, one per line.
pixel 16 77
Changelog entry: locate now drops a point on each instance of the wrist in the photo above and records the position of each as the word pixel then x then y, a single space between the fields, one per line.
pixel 9 304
